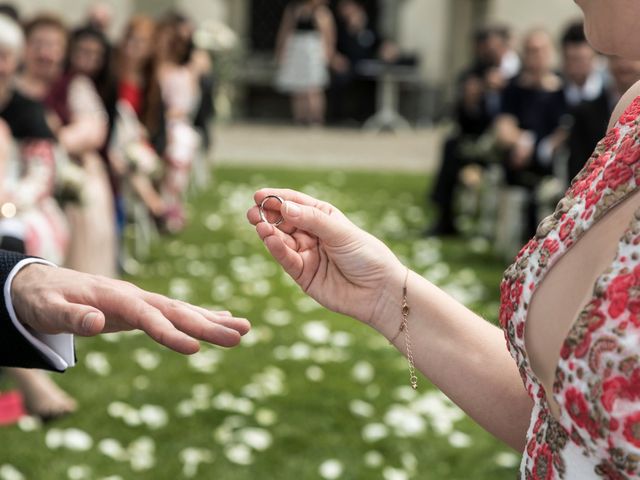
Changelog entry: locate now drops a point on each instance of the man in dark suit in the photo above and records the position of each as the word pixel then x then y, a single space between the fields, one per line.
pixel 591 118
pixel 42 307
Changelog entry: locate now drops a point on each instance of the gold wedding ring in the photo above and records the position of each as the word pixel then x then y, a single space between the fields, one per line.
pixel 263 215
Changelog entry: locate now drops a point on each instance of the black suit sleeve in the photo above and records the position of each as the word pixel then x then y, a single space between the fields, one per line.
pixel 15 349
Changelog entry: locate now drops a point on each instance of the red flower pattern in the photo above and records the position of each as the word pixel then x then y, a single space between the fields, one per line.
pixel 596 370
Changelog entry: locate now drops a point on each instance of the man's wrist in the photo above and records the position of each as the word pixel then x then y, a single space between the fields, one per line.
pixel 20 286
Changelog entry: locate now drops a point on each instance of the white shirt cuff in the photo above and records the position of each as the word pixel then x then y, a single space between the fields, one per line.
pixel 57 349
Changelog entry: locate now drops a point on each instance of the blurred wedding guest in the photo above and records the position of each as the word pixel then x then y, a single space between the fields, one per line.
pixel 90 54
pixel 478 102
pixel 304 47
pixel 591 117
pixel 10 10
pixel 79 121
pixel 200 63
pixel 352 96
pixel 529 129
pixel 30 220
pixel 180 90
pixel 584 81
pixel 139 136
pixel 100 17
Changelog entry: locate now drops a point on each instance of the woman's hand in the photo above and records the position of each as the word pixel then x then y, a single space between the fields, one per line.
pixel 342 267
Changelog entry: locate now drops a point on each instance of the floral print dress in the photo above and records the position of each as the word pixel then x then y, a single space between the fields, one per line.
pixel 597 381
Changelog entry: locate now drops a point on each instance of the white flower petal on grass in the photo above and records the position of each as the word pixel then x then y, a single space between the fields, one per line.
pixel 391 473
pixel 79 472
pixel 112 477
pixel 316 332
pixel 507 460
pixel 98 363
pixel 132 418
pixel 307 304
pixel 205 361
pixel 180 288
pixel 341 339
pixel 329 355
pixel 28 423
pixel 153 416
pixel 192 458
pixel 363 372
pixel 186 408
pixel 112 448
pixel 373 459
pixel 460 440
pixel 266 417
pixel 314 373
pixel 256 438
pixel 9 472
pixel 227 402
pixel 239 454
pixel 405 393
pixel 331 469
pixel 214 222
pixel 222 289
pixel 409 462
pixel 142 454
pixel 374 432
pixel 278 318
pixel 404 422
pixel 78 440
pixel 300 351
pixel 146 359
pixel 361 408
pixel 439 410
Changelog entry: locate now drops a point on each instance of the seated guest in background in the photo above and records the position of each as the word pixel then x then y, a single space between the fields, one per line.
pixel 591 117
pixel 529 129
pixel 352 96
pixel 180 90
pixel 139 132
pixel 478 103
pixel 30 220
pixel 79 121
pixel 584 81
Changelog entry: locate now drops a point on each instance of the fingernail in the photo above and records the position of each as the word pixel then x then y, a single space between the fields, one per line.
pixel 292 209
pixel 88 320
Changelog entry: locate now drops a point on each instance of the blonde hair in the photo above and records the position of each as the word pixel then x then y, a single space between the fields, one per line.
pixel 11 36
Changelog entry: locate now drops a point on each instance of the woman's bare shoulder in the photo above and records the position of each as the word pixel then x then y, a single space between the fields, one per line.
pixel 624 102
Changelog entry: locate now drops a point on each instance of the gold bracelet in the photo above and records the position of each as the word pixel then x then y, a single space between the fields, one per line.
pixel 404 327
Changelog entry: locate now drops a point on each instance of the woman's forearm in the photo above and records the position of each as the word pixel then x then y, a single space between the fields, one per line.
pixel 461 353
pixel 86 134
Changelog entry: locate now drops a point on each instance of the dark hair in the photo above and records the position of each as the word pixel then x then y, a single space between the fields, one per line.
pixel 574 34
pixel 10 11
pixel 103 79
pixel 484 33
pixel 41 20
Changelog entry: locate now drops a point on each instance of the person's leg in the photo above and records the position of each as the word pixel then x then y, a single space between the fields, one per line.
pixel 42 397
pixel 317 106
pixel 299 108
pixel 443 192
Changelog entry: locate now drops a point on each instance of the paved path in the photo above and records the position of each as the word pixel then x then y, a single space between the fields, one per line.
pixel 246 144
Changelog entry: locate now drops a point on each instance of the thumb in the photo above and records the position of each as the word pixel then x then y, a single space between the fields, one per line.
pixel 314 221
pixel 79 319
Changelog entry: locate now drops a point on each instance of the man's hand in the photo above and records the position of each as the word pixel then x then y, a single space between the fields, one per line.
pixel 56 300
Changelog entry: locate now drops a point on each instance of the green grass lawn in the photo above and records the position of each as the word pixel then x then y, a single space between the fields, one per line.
pixel 309 394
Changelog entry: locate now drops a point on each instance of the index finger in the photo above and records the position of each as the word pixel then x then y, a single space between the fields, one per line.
pixel 292 196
